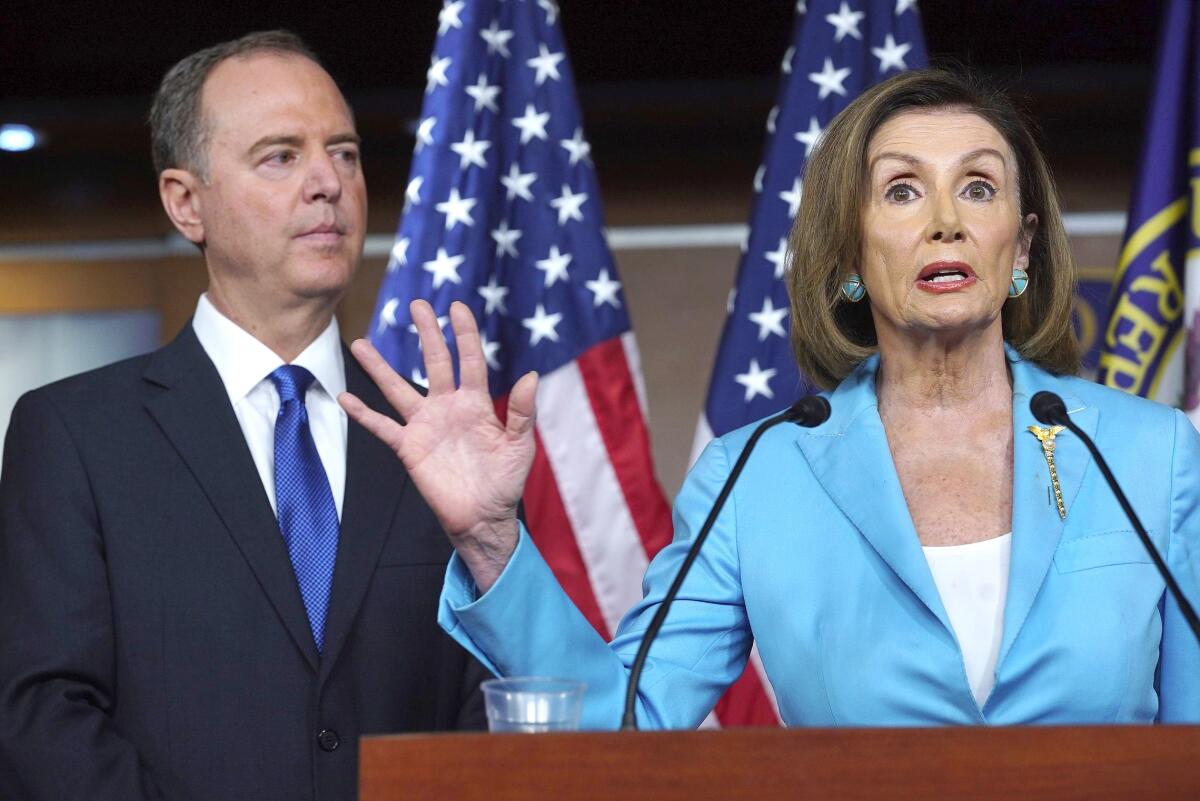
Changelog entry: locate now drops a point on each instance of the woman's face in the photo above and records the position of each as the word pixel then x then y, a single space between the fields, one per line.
pixel 942 228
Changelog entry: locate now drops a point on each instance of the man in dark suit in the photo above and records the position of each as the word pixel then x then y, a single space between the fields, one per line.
pixel 211 582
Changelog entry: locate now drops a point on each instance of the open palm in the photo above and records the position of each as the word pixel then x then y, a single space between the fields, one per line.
pixel 469 466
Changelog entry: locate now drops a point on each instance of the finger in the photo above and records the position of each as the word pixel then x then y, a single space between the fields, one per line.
pixel 438 367
pixel 472 366
pixel 521 405
pixel 385 428
pixel 399 393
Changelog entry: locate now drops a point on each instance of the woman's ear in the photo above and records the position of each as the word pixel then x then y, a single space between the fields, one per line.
pixel 1028 229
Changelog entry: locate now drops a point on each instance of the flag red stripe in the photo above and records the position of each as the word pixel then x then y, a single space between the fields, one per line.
pixel 610 389
pixel 746 703
pixel 546 519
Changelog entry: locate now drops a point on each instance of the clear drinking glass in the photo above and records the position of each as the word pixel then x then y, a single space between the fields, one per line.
pixel 533 704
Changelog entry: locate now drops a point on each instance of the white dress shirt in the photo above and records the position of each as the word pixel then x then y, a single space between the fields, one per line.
pixel 973 582
pixel 245 366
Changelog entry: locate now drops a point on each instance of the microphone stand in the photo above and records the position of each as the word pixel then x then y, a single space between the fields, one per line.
pixel 809 411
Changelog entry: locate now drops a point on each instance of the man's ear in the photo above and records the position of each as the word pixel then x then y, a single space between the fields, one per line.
pixel 178 190
pixel 1028 229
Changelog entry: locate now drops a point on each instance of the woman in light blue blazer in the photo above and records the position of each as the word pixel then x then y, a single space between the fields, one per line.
pixel 930 554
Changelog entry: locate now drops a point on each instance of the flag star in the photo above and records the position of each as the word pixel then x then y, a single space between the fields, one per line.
pixel 490 349
pixel 497 39
pixel 554 266
pixel 441 321
pixel 425 132
pixel 778 257
pixel 517 183
pixel 444 268
pixel 891 55
pixel 810 137
pixel 399 254
pixel 532 124
pixel 419 379
pixel 493 296
pixel 568 205
pixel 471 151
pixel 551 9
pixel 758 177
pixel 756 381
pixel 845 22
pixel 448 16
pixel 604 290
pixel 786 66
pixel 541 325
pixel 905 5
pixel 412 194
pixel 546 64
pixel 484 94
pixel 506 240
pixel 769 320
pixel 772 115
pixel 387 315
pixel 577 146
pixel 436 74
pixel 801 6
pixel 457 210
pixel 731 300
pixel 830 80
pixel 792 198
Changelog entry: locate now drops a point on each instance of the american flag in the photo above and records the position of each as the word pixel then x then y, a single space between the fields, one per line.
pixel 838 48
pixel 502 212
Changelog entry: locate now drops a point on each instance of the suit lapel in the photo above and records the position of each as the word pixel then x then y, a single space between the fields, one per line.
pixel 849 456
pixel 375 481
pixel 1037 526
pixel 194 413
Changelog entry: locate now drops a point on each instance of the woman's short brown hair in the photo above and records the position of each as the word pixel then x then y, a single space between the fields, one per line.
pixel 831 336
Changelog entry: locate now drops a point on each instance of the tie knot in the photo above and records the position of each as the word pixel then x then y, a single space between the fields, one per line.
pixel 292 381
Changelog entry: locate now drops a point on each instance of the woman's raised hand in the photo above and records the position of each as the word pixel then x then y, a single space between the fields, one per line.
pixel 469 467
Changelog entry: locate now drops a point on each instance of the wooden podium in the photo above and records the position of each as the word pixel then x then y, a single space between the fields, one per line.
pixel 1143 763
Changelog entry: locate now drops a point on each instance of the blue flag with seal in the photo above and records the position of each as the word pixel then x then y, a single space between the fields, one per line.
pixel 838 49
pixel 1147 348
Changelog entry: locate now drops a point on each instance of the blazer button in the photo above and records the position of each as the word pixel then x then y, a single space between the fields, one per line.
pixel 328 740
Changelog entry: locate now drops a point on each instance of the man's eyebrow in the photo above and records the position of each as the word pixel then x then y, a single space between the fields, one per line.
pixel 296 141
pixel 343 138
pixel 914 161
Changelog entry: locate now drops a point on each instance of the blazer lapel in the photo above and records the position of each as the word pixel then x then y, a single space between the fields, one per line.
pixel 375 481
pixel 849 456
pixel 194 413
pixel 1037 526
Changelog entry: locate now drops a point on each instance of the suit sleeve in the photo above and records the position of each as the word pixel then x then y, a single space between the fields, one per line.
pixel 1179 664
pixel 527 625
pixel 57 741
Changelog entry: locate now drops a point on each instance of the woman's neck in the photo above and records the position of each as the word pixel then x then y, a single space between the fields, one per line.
pixel 937 375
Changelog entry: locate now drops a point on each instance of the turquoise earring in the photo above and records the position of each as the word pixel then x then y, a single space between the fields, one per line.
pixel 1020 280
pixel 853 289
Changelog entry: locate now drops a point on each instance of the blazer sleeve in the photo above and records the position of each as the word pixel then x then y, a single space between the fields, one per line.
pixel 1179 662
pixel 57 742
pixel 526 624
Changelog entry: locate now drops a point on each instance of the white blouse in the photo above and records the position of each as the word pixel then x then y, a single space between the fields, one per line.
pixel 973 582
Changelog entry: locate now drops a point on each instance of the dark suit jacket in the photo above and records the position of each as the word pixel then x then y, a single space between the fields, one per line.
pixel 153 642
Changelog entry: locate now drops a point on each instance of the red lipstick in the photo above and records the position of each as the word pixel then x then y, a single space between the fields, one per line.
pixel 945 276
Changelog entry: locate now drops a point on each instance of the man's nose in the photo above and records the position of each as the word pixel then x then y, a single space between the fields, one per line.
pixel 322 181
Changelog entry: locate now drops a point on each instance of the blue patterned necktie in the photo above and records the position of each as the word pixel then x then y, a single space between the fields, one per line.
pixel 307 515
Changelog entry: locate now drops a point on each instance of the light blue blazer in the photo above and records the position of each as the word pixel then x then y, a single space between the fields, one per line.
pixel 816 559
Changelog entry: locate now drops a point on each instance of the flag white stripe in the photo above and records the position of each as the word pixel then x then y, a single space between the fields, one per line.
pixel 587 483
pixel 633 357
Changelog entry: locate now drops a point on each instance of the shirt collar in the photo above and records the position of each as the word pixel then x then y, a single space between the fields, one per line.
pixel 243 361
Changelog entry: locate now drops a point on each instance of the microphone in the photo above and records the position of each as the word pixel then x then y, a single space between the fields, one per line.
pixel 809 411
pixel 1049 408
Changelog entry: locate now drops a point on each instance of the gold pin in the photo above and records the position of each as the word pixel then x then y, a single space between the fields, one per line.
pixel 1046 437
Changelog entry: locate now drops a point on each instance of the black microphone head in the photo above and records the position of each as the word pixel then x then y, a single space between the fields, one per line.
pixel 809 411
pixel 1048 408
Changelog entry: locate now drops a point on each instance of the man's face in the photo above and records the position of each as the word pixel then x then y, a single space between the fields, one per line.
pixel 284 207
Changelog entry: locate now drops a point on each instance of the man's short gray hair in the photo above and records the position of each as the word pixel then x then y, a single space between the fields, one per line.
pixel 178 131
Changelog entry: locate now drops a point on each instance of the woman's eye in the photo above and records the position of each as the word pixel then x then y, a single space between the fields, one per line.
pixel 980 190
pixel 901 193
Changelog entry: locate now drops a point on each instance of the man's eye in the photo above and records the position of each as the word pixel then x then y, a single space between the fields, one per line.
pixel 282 157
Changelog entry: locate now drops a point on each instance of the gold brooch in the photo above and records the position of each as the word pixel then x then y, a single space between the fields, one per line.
pixel 1046 437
